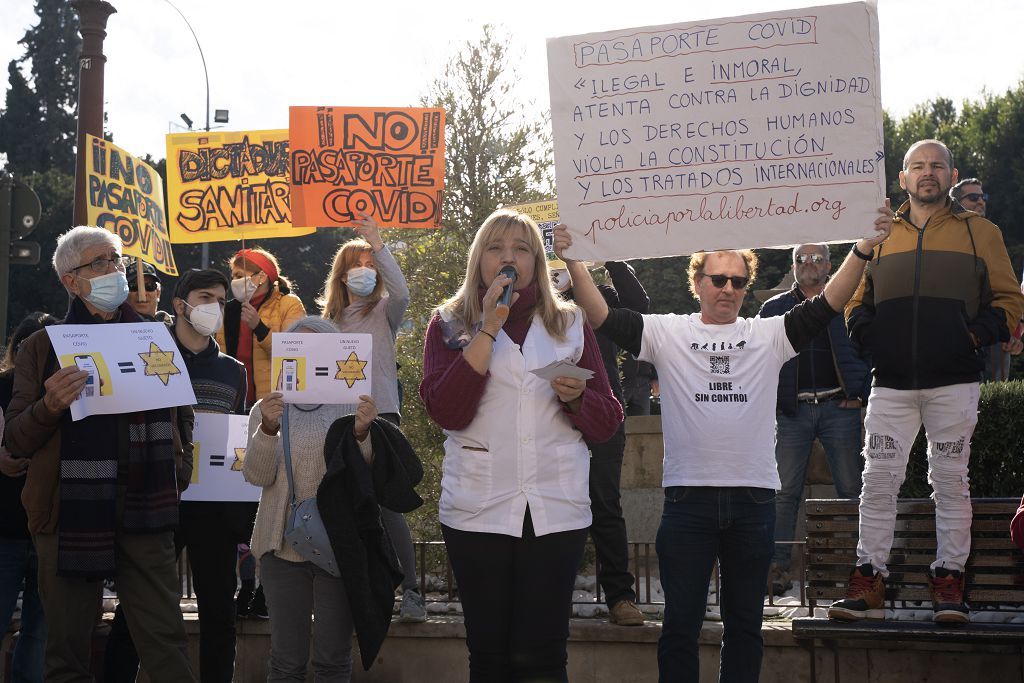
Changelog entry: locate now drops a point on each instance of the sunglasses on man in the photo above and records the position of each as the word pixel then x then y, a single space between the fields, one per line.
pixel 738 281
pixel 133 286
pixel 975 196
pixel 811 258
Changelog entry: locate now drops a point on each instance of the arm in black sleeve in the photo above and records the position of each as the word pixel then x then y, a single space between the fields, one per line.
pixel 625 328
pixel 611 297
pixel 631 293
pixel 807 320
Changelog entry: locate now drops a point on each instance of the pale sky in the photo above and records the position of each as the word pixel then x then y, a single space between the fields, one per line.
pixel 263 56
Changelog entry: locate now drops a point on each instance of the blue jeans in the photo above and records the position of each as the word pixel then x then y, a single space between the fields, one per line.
pixel 698 525
pixel 18 566
pixel 838 430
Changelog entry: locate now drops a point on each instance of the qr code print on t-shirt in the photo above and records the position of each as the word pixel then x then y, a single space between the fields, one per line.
pixel 719 365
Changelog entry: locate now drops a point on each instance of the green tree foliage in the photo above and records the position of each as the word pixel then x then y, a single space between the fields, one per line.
pixel 497 150
pixel 42 108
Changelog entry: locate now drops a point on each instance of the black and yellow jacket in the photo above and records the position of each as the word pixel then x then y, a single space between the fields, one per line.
pixel 931 297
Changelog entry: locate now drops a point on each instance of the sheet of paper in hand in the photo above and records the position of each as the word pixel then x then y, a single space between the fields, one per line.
pixel 321 367
pixel 218 453
pixel 132 367
pixel 562 368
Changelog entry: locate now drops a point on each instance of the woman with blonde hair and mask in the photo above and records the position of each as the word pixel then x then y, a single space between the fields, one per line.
pixel 262 304
pixel 514 506
pixel 366 293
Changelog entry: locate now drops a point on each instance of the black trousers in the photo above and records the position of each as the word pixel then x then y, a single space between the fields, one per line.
pixel 608 530
pixel 211 532
pixel 516 594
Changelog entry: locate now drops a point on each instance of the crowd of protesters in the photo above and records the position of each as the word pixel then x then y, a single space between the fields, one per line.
pixel 531 465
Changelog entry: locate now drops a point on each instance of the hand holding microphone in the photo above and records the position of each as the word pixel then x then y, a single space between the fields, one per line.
pixel 505 300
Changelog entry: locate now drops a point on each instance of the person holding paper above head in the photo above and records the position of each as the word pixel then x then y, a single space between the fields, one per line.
pixel 298 452
pixel 719 375
pixel 101 493
pixel 262 304
pixel 354 299
pixel 514 505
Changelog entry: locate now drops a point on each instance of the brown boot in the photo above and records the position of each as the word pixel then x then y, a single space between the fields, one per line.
pixel 625 613
pixel 865 597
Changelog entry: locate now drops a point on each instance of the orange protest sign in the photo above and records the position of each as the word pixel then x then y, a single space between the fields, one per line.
pixel 387 162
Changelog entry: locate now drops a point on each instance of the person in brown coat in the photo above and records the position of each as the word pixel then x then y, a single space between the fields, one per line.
pixel 101 493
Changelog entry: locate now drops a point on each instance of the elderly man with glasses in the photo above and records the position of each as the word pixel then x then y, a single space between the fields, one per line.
pixel 821 392
pixel 101 493
pixel 719 374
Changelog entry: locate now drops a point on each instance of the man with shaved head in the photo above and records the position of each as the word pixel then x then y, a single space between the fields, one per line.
pixel 938 291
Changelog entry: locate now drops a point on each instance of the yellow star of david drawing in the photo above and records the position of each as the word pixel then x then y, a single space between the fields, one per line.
pixel 236 466
pixel 351 369
pixel 159 363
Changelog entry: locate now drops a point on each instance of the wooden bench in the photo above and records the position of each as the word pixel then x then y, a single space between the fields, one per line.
pixel 995 574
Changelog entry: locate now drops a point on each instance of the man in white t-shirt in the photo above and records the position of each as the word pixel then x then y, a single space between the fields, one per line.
pixel 719 375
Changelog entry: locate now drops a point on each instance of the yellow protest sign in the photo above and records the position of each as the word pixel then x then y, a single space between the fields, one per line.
pixel 545 214
pixel 125 195
pixel 229 185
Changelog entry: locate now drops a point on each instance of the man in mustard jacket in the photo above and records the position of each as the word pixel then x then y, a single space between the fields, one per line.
pixel 934 295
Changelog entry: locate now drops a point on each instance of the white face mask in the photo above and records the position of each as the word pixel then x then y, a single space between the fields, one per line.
pixel 361 280
pixel 243 288
pixel 107 292
pixel 205 319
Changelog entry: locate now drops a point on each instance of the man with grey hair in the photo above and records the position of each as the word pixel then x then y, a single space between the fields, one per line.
pixel 820 395
pixel 969 193
pixel 101 492
pixel 933 295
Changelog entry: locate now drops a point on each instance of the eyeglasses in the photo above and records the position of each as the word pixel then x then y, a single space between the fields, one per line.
pixel 133 286
pixel 99 266
pixel 975 196
pixel 738 281
pixel 812 258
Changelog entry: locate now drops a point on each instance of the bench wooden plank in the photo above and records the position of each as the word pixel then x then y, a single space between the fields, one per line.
pixel 995 570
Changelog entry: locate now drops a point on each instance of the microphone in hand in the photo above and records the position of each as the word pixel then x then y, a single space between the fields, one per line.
pixel 505 300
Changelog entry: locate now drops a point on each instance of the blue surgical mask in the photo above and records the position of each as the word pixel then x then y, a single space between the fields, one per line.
pixel 107 292
pixel 361 280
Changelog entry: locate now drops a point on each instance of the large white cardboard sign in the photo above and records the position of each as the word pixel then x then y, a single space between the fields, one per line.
pixel 218 451
pixel 132 367
pixel 328 368
pixel 755 131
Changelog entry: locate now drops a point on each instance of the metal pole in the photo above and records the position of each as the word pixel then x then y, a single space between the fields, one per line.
pixel 92 20
pixel 205 257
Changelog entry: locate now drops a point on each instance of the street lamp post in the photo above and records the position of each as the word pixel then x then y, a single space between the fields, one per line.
pixel 205 257
pixel 92 24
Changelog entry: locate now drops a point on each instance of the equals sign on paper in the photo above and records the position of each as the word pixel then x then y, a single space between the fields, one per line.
pixel 322 371
pixel 126 367
pixel 216 461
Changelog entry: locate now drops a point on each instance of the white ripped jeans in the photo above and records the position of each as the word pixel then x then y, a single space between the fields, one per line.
pixel 893 420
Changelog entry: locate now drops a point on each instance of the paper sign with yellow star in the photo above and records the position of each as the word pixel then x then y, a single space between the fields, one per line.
pixel 159 363
pixel 351 369
pixel 236 466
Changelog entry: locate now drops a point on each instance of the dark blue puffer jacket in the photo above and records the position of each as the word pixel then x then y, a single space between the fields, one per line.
pixel 853 372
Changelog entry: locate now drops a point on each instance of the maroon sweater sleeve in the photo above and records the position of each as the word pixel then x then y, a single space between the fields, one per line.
pixel 1017 526
pixel 451 389
pixel 600 413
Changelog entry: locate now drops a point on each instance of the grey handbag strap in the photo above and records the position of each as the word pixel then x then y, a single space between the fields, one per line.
pixel 288 454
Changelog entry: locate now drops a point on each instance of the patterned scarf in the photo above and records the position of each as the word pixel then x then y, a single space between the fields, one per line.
pixel 89 478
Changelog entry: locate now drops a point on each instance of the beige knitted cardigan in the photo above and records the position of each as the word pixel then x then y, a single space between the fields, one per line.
pixel 264 466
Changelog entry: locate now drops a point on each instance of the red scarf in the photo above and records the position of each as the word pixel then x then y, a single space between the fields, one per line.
pixel 244 351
